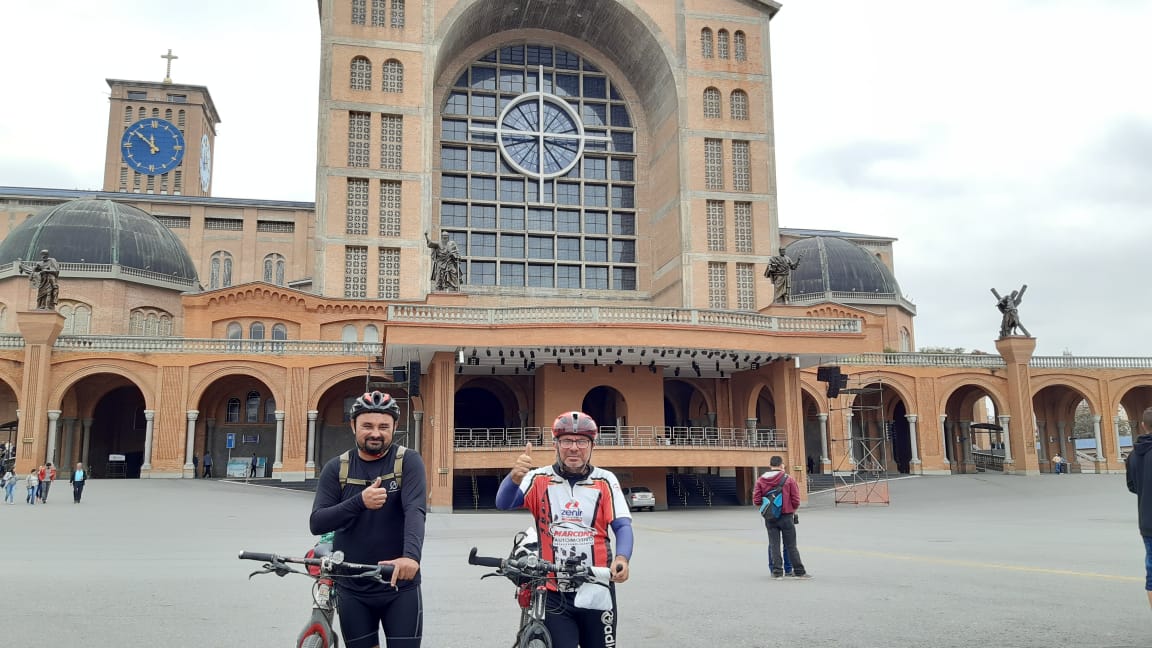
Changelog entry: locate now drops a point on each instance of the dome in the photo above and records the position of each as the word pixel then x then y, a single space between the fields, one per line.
pixel 100 232
pixel 835 265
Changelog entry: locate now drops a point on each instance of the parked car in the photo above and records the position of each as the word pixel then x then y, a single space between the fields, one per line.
pixel 640 497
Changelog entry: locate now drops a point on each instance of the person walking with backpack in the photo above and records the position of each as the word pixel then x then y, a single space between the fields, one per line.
pixel 778 497
pixel 1138 471
pixel 375 499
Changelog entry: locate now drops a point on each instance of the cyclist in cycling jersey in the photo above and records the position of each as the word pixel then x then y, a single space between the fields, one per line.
pixel 573 504
pixel 378 517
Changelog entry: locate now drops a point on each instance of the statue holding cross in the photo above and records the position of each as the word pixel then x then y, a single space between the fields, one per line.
pixel 1009 307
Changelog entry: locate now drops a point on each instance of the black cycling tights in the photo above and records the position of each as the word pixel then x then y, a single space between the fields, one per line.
pixel 571 626
pixel 401 613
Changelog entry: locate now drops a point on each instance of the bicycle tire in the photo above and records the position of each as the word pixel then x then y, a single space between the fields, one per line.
pixel 534 635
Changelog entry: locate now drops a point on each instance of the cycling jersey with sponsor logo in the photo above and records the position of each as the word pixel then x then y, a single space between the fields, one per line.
pixel 572 520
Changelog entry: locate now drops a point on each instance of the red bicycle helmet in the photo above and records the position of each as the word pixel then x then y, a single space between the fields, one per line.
pixel 574 423
pixel 377 402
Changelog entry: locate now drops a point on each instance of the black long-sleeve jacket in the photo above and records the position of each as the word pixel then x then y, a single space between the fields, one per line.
pixel 1139 473
pixel 365 536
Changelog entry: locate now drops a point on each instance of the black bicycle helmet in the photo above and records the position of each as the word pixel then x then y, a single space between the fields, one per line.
pixel 375 402
pixel 574 423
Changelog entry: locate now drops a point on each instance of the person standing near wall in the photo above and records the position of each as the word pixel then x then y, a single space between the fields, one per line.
pixel 78 479
pixel 1138 470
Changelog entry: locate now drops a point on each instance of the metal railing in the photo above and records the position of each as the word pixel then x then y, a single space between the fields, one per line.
pixel 420 313
pixel 626 437
pixel 214 345
pixel 988 460
pixel 968 360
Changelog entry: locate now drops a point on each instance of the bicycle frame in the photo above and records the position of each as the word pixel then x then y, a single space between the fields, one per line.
pixel 318 631
pixel 532 575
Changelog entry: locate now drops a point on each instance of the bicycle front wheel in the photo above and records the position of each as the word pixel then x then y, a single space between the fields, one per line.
pixel 534 635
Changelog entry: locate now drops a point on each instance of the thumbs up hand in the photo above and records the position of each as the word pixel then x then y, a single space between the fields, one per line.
pixel 523 464
pixel 375 495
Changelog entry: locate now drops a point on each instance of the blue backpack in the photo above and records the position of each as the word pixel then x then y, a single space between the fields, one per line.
pixel 772 506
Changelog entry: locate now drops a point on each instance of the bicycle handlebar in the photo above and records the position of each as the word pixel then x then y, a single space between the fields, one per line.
pixel 366 571
pixel 533 567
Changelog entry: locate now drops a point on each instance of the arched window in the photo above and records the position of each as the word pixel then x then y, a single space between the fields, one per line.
pixel 711 103
pixel 905 340
pixel 722 43
pixel 221 270
pixel 393 76
pixel 740 44
pixel 151 325
pixel 372 334
pixel 274 269
pixel 348 333
pixel 168 114
pixel 127 114
pixel 234 331
pixel 270 410
pixel 739 105
pixel 536 212
pixel 706 43
pixel 252 407
pixel 232 415
pixel 77 318
pixel 140 113
pixel 361 74
pixel 180 117
pixel 256 331
pixel 359 11
pixel 136 323
pixel 165 325
pixel 279 332
pixel 398 14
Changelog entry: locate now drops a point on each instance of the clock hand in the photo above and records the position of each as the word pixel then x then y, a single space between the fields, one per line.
pixel 151 145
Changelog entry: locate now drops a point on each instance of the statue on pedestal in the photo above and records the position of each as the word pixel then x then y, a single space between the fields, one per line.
pixel 45 275
pixel 445 263
pixel 779 270
pixel 1009 307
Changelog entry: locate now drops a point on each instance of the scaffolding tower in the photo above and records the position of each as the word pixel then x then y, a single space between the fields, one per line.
pixel 860 468
pixel 402 383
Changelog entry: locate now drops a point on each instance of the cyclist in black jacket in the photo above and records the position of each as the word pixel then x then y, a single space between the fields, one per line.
pixel 378 517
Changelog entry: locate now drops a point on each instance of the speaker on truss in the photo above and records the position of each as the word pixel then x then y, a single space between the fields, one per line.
pixel 413 378
pixel 823 374
pixel 836 383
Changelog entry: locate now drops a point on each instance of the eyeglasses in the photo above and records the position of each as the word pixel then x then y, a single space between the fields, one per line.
pixel 574 443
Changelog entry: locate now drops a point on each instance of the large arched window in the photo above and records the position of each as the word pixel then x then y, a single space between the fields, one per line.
pixel 372 334
pixel 274 269
pixel 706 43
pixel 270 410
pixel 252 407
pixel 220 275
pixel 256 331
pixel 711 103
pixel 393 76
pixel 233 413
pixel 722 43
pixel 77 318
pixel 349 333
pixel 279 332
pixel 234 331
pixel 539 200
pixel 361 74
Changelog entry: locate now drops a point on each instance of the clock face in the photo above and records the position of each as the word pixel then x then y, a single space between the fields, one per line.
pixel 152 146
pixel 205 163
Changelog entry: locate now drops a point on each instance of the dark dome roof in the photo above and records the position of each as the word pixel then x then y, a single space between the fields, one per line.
pixel 835 265
pixel 100 232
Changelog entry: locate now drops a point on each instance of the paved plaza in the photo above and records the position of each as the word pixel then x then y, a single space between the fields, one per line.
pixel 954 561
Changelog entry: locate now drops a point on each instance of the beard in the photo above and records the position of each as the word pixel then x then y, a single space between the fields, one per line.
pixel 374 446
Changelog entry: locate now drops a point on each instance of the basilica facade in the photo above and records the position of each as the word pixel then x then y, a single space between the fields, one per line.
pixel 592 185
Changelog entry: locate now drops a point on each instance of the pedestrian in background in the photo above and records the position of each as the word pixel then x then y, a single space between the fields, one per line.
pixel 207 464
pixel 78 479
pixel 46 481
pixel 1058 464
pixel 9 481
pixel 40 474
pixel 33 483
pixel 195 466
pixel 1138 470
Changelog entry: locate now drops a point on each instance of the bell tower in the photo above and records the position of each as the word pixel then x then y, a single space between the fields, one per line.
pixel 136 161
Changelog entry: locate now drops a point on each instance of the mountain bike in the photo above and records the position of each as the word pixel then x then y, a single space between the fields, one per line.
pixel 323 569
pixel 531 576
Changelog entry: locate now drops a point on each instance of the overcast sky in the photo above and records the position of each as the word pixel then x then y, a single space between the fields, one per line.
pixel 1003 142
